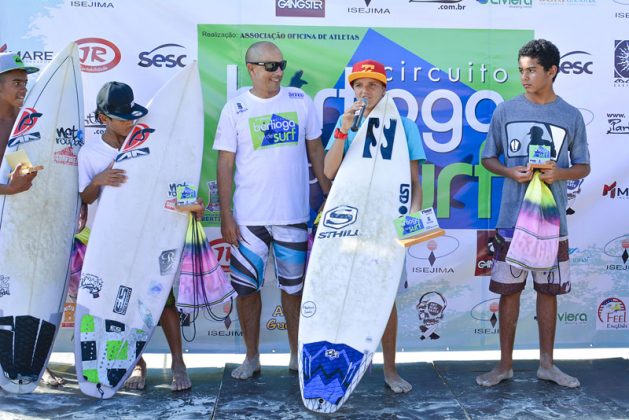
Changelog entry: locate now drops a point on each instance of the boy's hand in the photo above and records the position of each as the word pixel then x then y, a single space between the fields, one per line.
pixel 520 174
pixel 112 177
pixel 550 175
pixel 19 180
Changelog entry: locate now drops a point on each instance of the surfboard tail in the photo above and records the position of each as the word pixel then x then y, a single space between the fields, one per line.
pixel 328 374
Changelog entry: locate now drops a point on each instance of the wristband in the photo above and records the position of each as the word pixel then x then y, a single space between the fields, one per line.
pixel 338 134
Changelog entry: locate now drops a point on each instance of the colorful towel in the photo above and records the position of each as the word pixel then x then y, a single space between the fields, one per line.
pixel 202 282
pixel 536 237
pixel 76 261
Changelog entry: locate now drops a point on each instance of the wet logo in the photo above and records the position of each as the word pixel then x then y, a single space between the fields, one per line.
pixel 131 148
pixel 25 124
pixel 4 285
pixel 122 300
pixel 612 315
pixel 98 55
pixel 276 130
pixel 70 136
pixel 430 309
pixel 167 262
pixel 93 284
pixel 340 217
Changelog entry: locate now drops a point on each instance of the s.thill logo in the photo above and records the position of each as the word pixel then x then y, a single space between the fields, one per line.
pixel 25 124
pixel 131 148
pixel 340 217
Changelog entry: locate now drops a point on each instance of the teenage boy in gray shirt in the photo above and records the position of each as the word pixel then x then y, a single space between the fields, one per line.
pixel 538 116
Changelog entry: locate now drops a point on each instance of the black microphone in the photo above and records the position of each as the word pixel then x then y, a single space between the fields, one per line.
pixel 358 116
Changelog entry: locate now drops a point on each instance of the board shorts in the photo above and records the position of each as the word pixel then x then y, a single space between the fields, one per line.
pixel 507 279
pixel 249 258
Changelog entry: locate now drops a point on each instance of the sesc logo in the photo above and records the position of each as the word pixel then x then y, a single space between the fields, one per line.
pixel 300 8
pixel 98 55
pixel 576 62
pixel 165 55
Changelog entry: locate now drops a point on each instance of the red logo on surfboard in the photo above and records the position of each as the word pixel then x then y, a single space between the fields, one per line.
pixel 131 147
pixel 98 55
pixel 25 123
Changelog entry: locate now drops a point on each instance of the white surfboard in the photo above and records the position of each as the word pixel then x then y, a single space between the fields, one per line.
pixel 355 264
pixel 36 226
pixel 136 240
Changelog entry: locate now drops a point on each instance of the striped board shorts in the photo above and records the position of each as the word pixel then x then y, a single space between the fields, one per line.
pixel 249 258
pixel 507 279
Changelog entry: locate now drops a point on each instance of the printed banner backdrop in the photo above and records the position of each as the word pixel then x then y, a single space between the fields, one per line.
pixel 449 64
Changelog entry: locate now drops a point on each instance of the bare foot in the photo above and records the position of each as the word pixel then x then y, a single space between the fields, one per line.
pixel 396 383
pixel 181 380
pixel 494 377
pixel 50 379
pixel 557 376
pixel 293 365
pixel 247 369
pixel 137 380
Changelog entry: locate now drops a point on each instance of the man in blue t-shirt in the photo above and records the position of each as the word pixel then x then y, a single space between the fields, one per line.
pixel 369 81
pixel 537 117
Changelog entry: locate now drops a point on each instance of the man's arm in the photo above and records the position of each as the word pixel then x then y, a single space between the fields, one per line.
pixel 576 171
pixel 314 148
pixel 112 177
pixel 224 176
pixel 18 182
pixel 416 188
pixel 519 174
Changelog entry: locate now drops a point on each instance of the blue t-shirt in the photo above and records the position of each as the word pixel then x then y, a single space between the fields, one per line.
pixel 515 125
pixel 413 139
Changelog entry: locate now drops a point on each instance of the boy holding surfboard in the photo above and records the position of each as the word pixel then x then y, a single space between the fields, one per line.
pixel 516 124
pixel 267 135
pixel 13 80
pixel 117 110
pixel 369 81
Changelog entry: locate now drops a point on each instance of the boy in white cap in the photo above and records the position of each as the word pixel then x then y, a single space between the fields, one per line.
pixel 13 80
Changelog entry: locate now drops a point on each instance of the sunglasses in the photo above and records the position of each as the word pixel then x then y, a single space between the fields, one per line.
pixel 270 66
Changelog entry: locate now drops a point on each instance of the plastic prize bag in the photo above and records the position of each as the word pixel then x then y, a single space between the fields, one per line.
pixel 79 245
pixel 202 282
pixel 535 240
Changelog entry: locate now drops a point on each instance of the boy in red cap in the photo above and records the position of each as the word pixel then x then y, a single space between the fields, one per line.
pixel 369 81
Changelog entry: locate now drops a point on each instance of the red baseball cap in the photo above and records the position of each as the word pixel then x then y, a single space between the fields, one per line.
pixel 368 68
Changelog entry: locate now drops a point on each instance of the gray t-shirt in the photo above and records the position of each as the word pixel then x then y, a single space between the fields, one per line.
pixel 519 122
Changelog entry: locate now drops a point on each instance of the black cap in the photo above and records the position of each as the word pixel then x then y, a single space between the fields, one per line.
pixel 115 99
